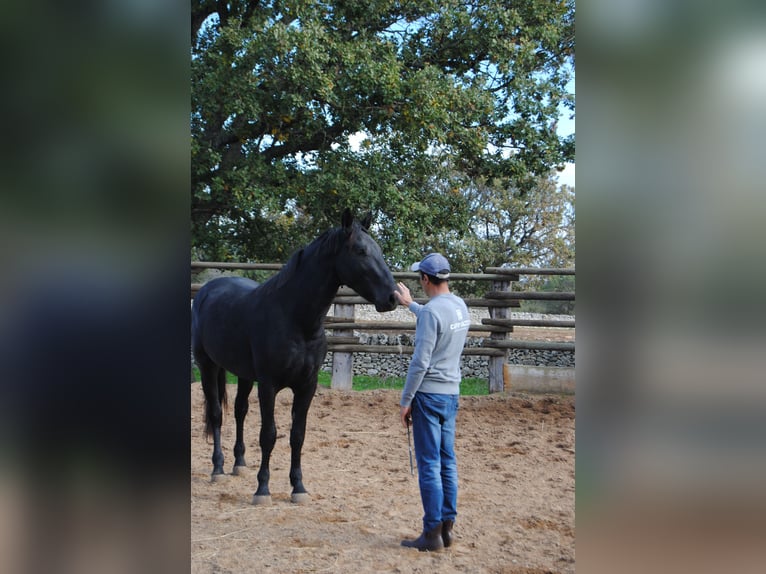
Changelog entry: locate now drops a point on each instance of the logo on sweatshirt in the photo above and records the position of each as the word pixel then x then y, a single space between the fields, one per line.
pixel 461 323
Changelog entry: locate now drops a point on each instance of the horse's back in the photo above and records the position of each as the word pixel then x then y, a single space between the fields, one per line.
pixel 220 291
pixel 218 316
pixel 225 285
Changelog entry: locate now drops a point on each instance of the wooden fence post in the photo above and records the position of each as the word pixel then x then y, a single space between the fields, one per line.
pixel 497 364
pixel 343 363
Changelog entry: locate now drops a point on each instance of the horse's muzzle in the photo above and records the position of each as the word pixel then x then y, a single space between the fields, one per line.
pixel 389 305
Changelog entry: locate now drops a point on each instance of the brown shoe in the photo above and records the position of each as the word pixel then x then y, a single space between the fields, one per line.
pixel 447 532
pixel 430 540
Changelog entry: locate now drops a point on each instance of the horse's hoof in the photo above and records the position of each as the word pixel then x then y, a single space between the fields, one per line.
pixel 300 497
pixel 240 470
pixel 217 477
pixel 262 499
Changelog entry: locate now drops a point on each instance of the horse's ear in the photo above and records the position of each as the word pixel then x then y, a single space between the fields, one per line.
pixel 367 221
pixel 346 220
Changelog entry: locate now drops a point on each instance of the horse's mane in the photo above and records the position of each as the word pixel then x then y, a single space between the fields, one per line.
pixel 329 241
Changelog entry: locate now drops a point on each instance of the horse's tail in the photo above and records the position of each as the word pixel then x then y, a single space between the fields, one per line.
pixel 222 399
pixel 222 389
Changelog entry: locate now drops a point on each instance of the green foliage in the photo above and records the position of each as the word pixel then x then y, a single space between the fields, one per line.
pixel 447 95
pixel 533 227
pixel 564 283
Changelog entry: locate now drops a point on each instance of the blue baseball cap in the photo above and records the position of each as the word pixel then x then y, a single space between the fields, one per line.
pixel 433 264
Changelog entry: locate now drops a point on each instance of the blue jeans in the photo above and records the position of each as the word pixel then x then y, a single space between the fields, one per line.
pixel 433 429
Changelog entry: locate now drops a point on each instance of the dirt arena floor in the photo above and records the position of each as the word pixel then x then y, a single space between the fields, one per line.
pixel 516 506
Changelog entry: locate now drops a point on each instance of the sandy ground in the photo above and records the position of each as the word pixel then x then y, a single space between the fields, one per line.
pixel 516 499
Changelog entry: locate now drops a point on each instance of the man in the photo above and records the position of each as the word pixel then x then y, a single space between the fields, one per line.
pixel 430 397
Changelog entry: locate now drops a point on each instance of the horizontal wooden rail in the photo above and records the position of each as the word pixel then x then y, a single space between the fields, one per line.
pixel 478 302
pixel 370 325
pixel 563 323
pixel 491 303
pixel 531 295
pixel 402 326
pixel 454 276
pixel 222 265
pixel 560 323
pixel 355 300
pixel 531 270
pixel 533 345
pixel 407 350
pixel 342 340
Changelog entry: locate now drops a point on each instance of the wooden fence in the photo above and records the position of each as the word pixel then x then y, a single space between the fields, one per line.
pixel 498 299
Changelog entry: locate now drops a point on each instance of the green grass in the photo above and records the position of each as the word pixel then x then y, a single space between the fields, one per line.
pixel 468 387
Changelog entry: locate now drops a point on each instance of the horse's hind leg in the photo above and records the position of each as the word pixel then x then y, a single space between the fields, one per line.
pixel 301 404
pixel 268 437
pixel 241 405
pixel 211 375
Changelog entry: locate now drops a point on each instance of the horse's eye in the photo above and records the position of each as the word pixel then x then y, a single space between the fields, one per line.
pixel 360 250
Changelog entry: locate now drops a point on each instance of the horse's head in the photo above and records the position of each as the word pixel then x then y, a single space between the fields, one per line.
pixel 360 264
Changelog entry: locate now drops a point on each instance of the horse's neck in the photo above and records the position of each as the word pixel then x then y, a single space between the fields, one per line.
pixel 313 290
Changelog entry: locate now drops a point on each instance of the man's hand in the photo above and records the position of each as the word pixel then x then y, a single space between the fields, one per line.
pixel 406 415
pixel 403 294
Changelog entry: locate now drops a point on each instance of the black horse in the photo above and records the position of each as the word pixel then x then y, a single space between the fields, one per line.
pixel 274 334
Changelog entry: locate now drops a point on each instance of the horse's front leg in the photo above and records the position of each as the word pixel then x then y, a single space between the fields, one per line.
pixel 241 404
pixel 268 438
pixel 301 404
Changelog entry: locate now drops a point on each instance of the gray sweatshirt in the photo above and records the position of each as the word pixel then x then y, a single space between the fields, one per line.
pixel 441 328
